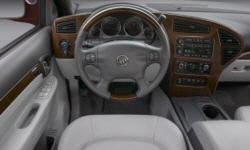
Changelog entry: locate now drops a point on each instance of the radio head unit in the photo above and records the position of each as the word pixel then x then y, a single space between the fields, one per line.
pixel 194 47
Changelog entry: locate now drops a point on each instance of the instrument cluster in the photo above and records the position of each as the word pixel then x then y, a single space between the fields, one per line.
pixel 122 27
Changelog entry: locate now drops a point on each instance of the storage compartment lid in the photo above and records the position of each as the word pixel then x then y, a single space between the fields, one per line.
pixel 221 135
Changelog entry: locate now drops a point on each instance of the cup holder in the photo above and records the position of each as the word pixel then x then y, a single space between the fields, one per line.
pixel 211 111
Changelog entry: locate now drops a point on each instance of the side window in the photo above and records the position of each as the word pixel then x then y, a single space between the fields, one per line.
pixel 11 8
pixel 17 17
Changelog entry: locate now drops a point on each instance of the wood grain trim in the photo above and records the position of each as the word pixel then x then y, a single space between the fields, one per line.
pixel 123 97
pixel 216 69
pixel 12 94
pixel 71 37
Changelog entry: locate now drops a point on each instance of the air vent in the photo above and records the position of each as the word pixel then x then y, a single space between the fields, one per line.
pixel 230 46
pixel 227 38
pixel 228 54
pixel 190 27
pixel 66 27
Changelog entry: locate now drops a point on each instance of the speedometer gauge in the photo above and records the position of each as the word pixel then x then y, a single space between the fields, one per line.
pixel 111 26
pixel 133 26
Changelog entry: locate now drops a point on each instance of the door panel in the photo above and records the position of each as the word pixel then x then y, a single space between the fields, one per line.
pixel 15 63
pixel 25 93
pixel 7 99
pixel 25 119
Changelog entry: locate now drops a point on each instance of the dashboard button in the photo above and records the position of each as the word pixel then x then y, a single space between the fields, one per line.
pixel 90 58
pixel 191 81
pixel 153 57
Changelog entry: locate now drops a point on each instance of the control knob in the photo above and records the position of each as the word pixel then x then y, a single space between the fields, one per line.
pixel 206 67
pixel 65 47
pixel 181 66
pixel 180 41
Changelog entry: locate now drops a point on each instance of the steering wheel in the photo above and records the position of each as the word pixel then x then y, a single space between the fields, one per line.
pixel 122 59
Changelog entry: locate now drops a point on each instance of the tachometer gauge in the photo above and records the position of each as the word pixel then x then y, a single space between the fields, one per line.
pixel 133 26
pixel 111 26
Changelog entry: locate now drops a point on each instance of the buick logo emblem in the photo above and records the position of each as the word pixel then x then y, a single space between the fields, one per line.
pixel 122 60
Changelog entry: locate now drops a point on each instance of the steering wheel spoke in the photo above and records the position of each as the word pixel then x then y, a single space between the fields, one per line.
pixel 143 86
pixel 103 86
pixel 153 54
pixel 89 56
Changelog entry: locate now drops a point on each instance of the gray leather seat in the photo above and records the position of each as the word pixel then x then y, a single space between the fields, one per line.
pixel 122 132
pixel 243 113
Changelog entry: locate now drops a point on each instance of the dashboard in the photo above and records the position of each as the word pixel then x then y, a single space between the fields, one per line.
pixel 200 49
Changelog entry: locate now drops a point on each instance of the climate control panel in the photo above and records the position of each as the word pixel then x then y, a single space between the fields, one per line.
pixel 191 81
pixel 194 47
pixel 193 67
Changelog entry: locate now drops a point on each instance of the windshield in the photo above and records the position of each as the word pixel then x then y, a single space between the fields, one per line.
pixel 226 6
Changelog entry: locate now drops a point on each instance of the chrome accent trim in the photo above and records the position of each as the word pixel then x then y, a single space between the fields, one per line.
pixel 122 60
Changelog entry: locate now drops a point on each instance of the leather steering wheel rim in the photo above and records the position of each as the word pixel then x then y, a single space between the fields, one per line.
pixel 101 88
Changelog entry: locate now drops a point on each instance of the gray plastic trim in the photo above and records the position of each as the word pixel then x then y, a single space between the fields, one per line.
pixel 161 106
pixel 68 67
pixel 39 93
pixel 238 71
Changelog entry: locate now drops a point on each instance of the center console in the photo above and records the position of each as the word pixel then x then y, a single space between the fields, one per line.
pixel 193 109
pixel 196 48
pixel 193 65
pixel 198 55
